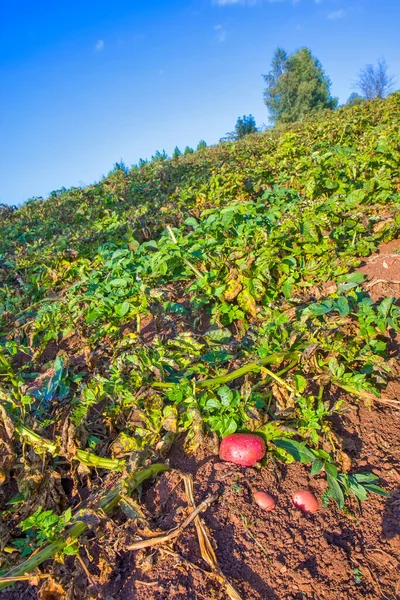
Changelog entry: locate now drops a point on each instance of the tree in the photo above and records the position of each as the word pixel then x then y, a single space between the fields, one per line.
pixel 159 156
pixel 201 145
pixel 375 81
pixel 188 150
pixel 244 126
pixel 176 153
pixel 354 99
pixel 296 87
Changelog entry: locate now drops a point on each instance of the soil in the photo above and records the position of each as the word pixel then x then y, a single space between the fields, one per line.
pixel 280 555
pixel 382 271
pixel 284 554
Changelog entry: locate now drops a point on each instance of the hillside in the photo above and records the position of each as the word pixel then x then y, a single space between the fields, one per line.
pixel 148 316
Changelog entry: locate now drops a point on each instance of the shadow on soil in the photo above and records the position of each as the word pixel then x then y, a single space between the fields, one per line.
pixel 391 516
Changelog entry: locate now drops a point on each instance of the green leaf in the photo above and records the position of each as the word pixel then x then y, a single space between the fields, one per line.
pixel 317 466
pixel 287 287
pixel 335 491
pixel 93 315
pixel 385 306
pixel 122 282
pixel 71 550
pixel 309 231
pixel 324 455
pixel 342 306
pixel 300 383
pixel 376 489
pixel 230 427
pixel 212 403
pixel 218 336
pixel 331 469
pixel 357 489
pixel 321 308
pixel 226 395
pixel 299 451
pixel 17 499
pixel 365 477
pixel 176 308
pixel 192 222
pixel 93 441
pixel 121 309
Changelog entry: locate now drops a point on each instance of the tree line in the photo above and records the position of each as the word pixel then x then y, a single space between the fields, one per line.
pixel 297 86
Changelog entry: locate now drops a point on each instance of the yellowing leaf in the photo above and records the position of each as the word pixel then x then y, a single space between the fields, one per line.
pixel 247 303
pixel 233 288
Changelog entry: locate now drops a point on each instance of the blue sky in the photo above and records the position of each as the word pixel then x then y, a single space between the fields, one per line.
pixel 85 84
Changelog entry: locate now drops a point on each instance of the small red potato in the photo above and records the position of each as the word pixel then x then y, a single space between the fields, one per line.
pixel 306 501
pixel 264 500
pixel 243 449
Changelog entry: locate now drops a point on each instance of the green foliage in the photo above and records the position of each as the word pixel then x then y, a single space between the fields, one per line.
pixel 198 296
pixel 159 156
pixel 176 153
pixel 41 527
pixel 354 99
pixel 339 485
pixel 296 87
pixel 244 126
pixel 202 145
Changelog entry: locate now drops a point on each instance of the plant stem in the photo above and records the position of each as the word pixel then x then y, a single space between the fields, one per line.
pixel 268 380
pixel 279 380
pixel 370 398
pixel 276 358
pixel 87 458
pixel 185 260
pixel 106 504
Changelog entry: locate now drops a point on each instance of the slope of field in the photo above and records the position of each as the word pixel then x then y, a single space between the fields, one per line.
pixel 145 317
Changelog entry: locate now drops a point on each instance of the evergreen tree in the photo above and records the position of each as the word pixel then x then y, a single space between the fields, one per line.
pixel 201 145
pixel 244 126
pixel 296 87
pixel 176 153
pixel 188 150
pixel 159 156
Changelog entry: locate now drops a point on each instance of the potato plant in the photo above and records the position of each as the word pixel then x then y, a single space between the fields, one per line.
pixel 204 296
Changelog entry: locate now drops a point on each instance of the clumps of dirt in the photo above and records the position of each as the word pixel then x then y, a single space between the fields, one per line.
pixel 284 553
pixel 382 271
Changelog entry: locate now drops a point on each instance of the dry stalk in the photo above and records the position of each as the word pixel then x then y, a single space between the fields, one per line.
pixel 8 580
pixel 163 539
pixel 207 551
pixel 380 256
pixel 384 281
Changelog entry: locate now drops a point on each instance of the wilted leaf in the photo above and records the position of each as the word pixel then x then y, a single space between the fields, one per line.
pixel 232 290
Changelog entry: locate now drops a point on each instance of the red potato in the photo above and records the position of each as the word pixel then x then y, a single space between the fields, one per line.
pixel 243 449
pixel 306 501
pixel 264 500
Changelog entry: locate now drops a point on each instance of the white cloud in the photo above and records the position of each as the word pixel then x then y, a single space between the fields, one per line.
pixel 221 33
pixel 99 45
pixel 336 14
